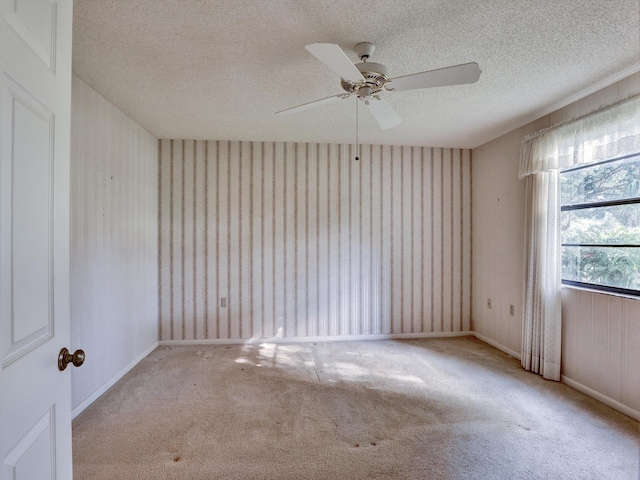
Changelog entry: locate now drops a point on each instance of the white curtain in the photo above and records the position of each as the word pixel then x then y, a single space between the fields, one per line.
pixel 607 133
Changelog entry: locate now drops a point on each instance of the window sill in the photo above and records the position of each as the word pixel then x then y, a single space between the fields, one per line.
pixel 602 292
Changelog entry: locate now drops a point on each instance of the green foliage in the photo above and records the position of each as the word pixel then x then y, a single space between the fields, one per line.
pixel 609 181
pixel 614 267
pixel 616 225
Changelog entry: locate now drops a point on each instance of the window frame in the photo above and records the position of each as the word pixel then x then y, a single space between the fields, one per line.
pixel 595 205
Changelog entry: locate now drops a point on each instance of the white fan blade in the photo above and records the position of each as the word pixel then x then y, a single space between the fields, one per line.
pixel 306 106
pixel 457 75
pixel 383 113
pixel 333 57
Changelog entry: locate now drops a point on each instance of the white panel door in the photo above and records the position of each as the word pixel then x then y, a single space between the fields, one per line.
pixel 35 98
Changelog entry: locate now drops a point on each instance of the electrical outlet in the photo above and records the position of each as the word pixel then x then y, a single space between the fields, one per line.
pixel 512 310
pixel 488 303
pixel 223 302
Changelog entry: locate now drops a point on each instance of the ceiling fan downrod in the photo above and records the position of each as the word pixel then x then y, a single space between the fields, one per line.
pixel 364 50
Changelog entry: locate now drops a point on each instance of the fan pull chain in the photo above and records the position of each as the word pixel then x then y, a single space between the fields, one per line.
pixel 357 140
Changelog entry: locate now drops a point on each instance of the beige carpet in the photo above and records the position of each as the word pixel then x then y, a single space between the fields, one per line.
pixel 424 409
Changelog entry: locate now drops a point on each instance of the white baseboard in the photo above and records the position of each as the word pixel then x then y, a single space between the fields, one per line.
pixel 630 412
pixel 95 395
pixel 338 338
pixel 495 344
pixel 572 383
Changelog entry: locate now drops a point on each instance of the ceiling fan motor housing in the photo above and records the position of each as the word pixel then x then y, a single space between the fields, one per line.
pixel 375 76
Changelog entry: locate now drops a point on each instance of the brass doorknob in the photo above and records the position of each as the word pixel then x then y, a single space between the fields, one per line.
pixel 65 358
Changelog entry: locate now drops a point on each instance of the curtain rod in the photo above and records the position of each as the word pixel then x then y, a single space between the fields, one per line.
pixel 581 117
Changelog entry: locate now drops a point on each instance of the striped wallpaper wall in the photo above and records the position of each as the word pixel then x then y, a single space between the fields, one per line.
pixel 304 241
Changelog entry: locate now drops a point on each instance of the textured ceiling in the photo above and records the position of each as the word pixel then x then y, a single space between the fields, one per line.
pixel 220 69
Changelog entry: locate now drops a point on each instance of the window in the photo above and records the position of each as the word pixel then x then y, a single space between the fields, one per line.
pixel 600 225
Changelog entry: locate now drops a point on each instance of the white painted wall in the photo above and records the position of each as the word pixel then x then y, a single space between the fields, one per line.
pixel 610 326
pixel 304 241
pixel 592 321
pixel 114 242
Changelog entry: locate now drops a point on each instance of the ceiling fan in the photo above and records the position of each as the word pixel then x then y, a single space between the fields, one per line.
pixel 368 80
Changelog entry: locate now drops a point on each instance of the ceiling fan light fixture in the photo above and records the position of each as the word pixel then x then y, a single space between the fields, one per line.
pixel 365 94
